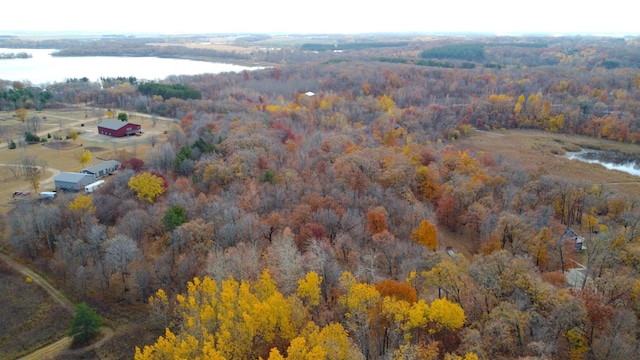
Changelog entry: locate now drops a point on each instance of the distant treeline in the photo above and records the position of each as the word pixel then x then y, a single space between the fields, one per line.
pixel 20 55
pixel 352 46
pixel 113 81
pixel 169 91
pixel 127 46
pixel 470 52
pixel 106 48
pixel 428 62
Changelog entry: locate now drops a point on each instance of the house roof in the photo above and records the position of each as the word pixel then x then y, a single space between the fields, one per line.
pixel 101 166
pixel 114 124
pixel 571 234
pixel 70 177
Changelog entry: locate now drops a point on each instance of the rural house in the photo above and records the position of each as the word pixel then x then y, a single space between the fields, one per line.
pixel 571 236
pixel 118 128
pixel 102 169
pixel 70 181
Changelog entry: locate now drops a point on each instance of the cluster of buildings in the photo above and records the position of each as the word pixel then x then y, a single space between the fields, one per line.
pixel 78 181
pixel 88 179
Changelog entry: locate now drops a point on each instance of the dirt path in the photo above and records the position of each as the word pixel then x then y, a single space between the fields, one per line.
pixel 46 181
pixel 57 295
pixel 61 346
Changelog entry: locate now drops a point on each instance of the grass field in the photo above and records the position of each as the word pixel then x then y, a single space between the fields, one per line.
pixel 537 149
pixel 29 311
pixel 64 155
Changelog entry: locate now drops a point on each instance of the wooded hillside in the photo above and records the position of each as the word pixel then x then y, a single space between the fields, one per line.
pixel 278 224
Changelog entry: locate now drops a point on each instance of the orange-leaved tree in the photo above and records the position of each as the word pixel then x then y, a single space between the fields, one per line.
pixel 376 220
pixel 426 234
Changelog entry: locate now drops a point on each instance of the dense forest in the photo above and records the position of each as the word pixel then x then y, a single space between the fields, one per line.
pixel 294 212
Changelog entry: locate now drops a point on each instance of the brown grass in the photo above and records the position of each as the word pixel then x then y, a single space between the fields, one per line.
pixel 211 46
pixel 536 149
pixel 65 156
pixel 29 311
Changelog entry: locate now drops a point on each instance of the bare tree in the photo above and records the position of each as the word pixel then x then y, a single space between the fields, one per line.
pixel 120 252
pixel 134 224
pixel 31 170
pixel 5 134
pixel 285 262
pixel 33 124
pixel 98 113
pixel 134 145
pixel 176 136
pixel 153 139
pixel 161 158
pixel 15 169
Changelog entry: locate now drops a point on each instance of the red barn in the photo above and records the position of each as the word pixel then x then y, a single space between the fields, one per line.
pixel 118 128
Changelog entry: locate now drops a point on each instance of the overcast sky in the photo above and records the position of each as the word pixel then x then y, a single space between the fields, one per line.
pixel 326 16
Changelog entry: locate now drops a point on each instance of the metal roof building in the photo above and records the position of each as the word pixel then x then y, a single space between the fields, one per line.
pixel 118 128
pixel 102 169
pixel 72 181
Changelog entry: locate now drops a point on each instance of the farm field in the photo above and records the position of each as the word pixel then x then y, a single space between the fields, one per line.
pixel 61 156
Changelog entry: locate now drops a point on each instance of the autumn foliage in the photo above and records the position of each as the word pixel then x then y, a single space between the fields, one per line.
pixel 350 195
pixel 147 186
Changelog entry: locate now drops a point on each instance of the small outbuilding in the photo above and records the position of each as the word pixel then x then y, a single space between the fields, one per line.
pixel 102 169
pixel 117 128
pixel 572 237
pixel 70 181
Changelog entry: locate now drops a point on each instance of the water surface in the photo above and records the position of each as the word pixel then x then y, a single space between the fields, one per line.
pixel 43 68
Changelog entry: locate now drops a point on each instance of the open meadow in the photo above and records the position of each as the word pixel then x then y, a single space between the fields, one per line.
pixel 29 311
pixel 532 149
pixel 62 155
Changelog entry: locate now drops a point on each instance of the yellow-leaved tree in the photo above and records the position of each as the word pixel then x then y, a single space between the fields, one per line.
pixel 21 114
pixel 243 320
pixel 84 156
pixel 426 234
pixel 309 289
pixel 449 276
pixel 420 318
pixel 147 186
pixel 330 343
pixel 82 204
pixel 359 302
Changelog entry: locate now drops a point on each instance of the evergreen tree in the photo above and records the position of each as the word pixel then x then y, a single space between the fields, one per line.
pixel 174 217
pixel 85 324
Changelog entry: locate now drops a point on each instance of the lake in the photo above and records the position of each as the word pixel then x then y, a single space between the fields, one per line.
pixel 629 167
pixel 43 68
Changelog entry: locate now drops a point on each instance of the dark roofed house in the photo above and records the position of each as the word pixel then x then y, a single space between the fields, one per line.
pixel 572 236
pixel 117 128
pixel 102 169
pixel 70 181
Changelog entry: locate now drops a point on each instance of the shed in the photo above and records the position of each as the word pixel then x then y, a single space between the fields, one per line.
pixel 101 169
pixel 70 181
pixel 571 236
pixel 118 128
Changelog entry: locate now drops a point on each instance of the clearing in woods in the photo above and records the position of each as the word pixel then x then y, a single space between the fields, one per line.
pixel 537 149
pixel 63 155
